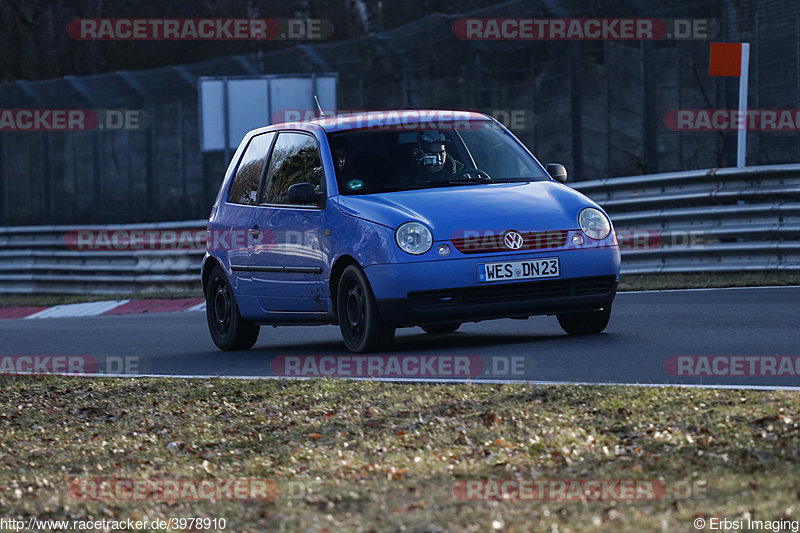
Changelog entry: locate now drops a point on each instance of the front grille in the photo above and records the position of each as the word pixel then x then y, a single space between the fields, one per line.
pixel 479 243
pixel 511 292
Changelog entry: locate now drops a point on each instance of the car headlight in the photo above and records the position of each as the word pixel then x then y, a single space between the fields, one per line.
pixel 594 223
pixel 413 238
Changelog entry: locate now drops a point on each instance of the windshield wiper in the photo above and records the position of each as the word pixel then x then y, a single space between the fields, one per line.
pixel 404 188
pixel 458 181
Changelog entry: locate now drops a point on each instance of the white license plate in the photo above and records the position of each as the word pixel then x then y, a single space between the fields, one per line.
pixel 530 269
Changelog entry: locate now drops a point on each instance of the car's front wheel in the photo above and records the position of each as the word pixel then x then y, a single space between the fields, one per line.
pixel 362 328
pixel 228 329
pixel 586 322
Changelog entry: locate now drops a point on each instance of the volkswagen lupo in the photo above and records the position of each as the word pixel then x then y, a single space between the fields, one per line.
pixel 396 219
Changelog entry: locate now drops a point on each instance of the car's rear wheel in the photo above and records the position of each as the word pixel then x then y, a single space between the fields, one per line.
pixel 435 329
pixel 586 322
pixel 228 329
pixel 362 328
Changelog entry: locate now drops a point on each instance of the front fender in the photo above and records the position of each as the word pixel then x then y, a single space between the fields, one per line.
pixel 369 243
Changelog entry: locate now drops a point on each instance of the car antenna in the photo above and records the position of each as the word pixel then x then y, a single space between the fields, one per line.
pixel 319 107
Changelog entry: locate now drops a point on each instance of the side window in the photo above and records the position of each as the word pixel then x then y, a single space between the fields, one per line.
pixel 245 184
pixel 295 159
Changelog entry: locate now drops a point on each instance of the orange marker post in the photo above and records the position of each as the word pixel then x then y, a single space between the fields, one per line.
pixel 733 59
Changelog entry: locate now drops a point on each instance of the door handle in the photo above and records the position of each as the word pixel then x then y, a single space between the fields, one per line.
pixel 254 232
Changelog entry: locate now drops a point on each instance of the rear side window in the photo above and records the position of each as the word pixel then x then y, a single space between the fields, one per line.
pixel 295 159
pixel 244 188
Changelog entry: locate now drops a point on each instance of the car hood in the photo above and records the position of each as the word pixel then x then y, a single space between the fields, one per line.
pixel 530 206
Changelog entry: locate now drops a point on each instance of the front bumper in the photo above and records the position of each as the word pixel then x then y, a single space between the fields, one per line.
pixel 523 299
pixel 428 292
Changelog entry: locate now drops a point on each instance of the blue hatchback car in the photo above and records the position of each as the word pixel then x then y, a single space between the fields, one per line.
pixel 396 219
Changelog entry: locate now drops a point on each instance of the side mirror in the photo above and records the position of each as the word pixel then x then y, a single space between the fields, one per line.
pixel 557 172
pixel 303 193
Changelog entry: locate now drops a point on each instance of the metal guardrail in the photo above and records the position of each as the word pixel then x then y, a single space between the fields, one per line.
pixel 697 221
pixel 37 259
pixel 713 220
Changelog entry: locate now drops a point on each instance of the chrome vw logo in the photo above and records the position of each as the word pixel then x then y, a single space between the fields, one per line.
pixel 513 240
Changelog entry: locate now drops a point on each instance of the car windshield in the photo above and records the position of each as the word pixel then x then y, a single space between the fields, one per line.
pixel 481 152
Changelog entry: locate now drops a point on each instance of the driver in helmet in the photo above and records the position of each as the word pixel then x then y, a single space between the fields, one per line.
pixel 431 154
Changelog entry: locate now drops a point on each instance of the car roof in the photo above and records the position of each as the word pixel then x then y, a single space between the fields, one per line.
pixel 378 119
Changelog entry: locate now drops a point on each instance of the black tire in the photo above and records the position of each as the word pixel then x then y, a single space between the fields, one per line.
pixel 359 320
pixel 585 323
pixel 228 329
pixel 436 329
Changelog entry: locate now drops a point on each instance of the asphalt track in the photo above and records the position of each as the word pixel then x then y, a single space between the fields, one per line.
pixel 646 330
